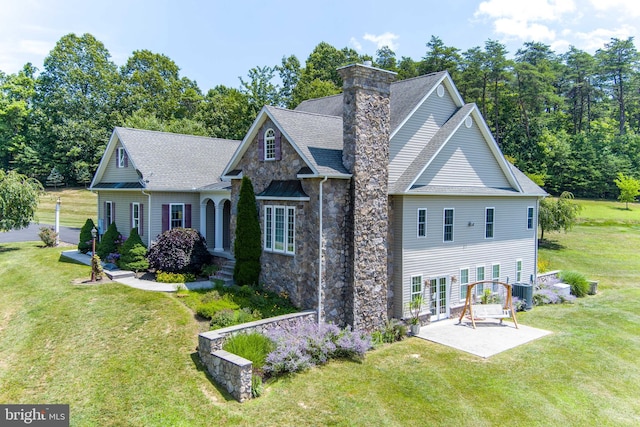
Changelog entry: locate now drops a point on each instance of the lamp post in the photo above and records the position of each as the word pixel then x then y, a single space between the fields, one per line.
pixel 94 234
pixel 57 230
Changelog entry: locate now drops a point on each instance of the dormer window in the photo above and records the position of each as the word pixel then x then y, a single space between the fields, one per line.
pixel 121 160
pixel 270 145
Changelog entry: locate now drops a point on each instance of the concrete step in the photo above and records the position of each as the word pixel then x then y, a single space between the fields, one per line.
pixel 118 274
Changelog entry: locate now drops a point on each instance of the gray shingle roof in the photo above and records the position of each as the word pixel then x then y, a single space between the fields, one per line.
pixel 319 138
pixel 170 161
pixel 405 96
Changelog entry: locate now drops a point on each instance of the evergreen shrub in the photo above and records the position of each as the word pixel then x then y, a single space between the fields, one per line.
pixel 133 254
pixel 110 242
pixel 248 243
pixel 85 243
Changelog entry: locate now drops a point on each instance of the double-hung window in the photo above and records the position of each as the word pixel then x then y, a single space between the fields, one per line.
pixel 448 225
pixel 530 218
pixel 464 282
pixel 270 145
pixel 135 216
pixel 488 223
pixel 176 218
pixel 109 214
pixel 479 278
pixel 422 222
pixel 416 287
pixel 495 276
pixel 518 270
pixel 279 229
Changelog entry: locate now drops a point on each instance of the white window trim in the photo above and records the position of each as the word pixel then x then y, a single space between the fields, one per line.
pixel 135 219
pixel 518 270
pixel 486 223
pixel 270 142
pixel 121 153
pixel 413 294
pixel 495 279
pixel 444 225
pixel 463 296
pixel 418 223
pixel 480 288
pixel 171 205
pixel 533 217
pixel 108 214
pixel 289 242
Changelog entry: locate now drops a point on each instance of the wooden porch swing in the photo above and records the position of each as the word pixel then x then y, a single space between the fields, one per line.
pixel 488 311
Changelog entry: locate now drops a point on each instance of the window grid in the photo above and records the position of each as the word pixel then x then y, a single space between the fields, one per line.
pixel 176 215
pixel 422 223
pixel 270 145
pixel 279 229
pixel 448 225
pixel 464 282
pixel 108 215
pixel 518 271
pixel 121 155
pixel 495 276
pixel 135 216
pixel 416 287
pixel 488 224
pixel 480 278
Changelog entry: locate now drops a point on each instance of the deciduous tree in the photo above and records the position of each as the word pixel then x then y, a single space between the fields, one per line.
pixel 19 196
pixel 629 188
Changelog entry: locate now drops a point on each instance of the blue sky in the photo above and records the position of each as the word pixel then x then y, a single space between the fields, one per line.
pixel 217 41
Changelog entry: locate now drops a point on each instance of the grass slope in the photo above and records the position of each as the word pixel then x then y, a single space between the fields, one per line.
pixel 121 356
pixel 76 205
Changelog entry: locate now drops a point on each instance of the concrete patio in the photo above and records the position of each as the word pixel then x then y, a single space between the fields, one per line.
pixel 488 339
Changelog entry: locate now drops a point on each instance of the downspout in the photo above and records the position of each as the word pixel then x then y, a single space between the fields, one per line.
pixel 148 218
pixel 320 255
pixel 534 282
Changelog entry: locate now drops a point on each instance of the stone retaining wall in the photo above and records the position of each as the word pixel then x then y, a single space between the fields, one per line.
pixel 548 278
pixel 229 370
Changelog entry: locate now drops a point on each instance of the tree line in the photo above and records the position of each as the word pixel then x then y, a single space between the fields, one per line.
pixel 571 121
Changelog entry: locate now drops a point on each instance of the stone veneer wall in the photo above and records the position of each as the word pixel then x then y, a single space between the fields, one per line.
pixel 366 117
pixel 229 370
pixel 298 275
pixel 548 278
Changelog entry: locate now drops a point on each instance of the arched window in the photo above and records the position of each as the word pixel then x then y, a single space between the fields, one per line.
pixel 270 144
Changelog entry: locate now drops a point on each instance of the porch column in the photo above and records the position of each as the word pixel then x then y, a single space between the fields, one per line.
pixel 219 226
pixel 203 219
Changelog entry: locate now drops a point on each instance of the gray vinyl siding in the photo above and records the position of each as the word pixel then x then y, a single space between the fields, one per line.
pixel 123 199
pixel 113 173
pixel 417 131
pixel 431 257
pixel 164 198
pixel 396 229
pixel 465 160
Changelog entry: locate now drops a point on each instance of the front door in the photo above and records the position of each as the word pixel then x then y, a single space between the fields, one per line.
pixel 439 296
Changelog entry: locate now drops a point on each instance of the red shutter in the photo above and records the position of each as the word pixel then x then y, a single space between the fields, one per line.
pixel 165 218
pixel 278 146
pixel 187 216
pixel 261 147
pixel 141 227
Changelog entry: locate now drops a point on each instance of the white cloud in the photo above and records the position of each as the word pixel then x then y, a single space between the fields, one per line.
pixel 524 30
pixel 355 44
pixel 382 40
pixel 531 10
pixel 624 8
pixel 596 39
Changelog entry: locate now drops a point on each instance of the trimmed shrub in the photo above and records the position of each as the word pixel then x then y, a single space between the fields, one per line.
pixel 209 307
pixel 110 242
pixel 133 253
pixel 48 236
pixel 579 284
pixel 85 243
pixel 179 250
pixel 248 243
pixel 166 277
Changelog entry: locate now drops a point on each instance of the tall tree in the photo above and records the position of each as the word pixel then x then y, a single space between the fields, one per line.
pixel 260 89
pixel 580 67
pixel 226 113
pixel 289 71
pixel 386 59
pixel 619 62
pixel 247 246
pixel 440 57
pixel 76 94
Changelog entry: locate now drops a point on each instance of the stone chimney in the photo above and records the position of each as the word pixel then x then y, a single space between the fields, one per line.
pixel 366 131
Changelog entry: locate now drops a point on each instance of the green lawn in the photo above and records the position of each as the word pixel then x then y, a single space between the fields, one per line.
pixel 121 356
pixel 76 205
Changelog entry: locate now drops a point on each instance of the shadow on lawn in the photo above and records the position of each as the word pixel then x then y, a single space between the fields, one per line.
pixel 549 244
pixel 195 358
pixel 8 249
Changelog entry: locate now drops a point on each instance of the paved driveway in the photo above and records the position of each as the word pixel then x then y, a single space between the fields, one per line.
pixel 67 234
